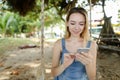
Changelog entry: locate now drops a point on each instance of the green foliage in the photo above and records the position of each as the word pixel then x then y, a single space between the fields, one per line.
pixel 50 19
pixel 9 23
pixel 119 14
pixel 54 14
pixel 54 11
pixel 0 24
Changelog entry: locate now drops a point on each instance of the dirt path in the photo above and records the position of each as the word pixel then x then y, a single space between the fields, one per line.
pixel 108 65
pixel 22 64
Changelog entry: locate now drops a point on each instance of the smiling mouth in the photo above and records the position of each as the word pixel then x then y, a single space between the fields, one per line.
pixel 76 32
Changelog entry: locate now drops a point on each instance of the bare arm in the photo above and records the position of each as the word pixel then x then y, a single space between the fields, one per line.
pixel 68 60
pixel 56 68
pixel 91 68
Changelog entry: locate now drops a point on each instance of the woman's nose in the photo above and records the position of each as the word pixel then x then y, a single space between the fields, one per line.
pixel 76 26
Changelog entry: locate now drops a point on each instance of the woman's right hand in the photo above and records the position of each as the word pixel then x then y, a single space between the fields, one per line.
pixel 68 59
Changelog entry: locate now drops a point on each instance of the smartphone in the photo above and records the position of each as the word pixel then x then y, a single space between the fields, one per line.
pixel 85 50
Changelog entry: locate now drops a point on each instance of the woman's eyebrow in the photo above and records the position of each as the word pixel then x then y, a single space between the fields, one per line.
pixel 79 22
pixel 72 21
pixel 82 22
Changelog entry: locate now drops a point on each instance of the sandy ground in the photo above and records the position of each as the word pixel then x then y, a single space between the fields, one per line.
pixel 25 64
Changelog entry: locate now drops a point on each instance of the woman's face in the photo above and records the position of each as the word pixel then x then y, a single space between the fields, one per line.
pixel 76 24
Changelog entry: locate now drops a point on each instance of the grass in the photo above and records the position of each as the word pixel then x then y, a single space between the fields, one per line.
pixel 7 44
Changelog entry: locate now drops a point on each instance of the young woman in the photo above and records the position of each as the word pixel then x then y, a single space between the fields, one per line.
pixel 67 63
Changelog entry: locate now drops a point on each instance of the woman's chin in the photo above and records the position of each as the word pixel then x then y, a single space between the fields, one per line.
pixel 76 35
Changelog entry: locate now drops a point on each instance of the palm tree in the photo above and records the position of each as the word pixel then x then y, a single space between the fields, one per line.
pixel 9 24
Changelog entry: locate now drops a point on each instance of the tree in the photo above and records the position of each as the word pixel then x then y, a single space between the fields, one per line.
pixel 9 24
pixel 107 35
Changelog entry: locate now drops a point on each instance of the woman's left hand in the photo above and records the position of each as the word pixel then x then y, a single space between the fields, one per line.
pixel 85 58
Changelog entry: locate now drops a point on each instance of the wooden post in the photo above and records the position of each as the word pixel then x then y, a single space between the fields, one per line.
pixel 41 68
pixel 42 41
pixel 90 19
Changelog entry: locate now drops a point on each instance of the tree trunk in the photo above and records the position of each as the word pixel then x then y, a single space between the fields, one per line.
pixel 107 36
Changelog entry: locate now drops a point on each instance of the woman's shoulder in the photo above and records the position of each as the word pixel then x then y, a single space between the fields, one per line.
pixel 58 42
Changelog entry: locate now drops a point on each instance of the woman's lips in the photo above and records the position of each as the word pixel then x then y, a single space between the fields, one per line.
pixel 76 32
